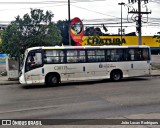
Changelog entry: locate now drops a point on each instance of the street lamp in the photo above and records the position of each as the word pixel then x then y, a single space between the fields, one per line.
pixel 121 17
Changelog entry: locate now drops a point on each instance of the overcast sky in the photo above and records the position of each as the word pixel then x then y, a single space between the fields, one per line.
pixel 106 12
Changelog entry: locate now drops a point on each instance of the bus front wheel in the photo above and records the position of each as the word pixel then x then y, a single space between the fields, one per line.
pixel 116 75
pixel 52 80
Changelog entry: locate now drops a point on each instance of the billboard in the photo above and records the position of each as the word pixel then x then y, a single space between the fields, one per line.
pixel 3 59
pixel 116 40
pixel 77 30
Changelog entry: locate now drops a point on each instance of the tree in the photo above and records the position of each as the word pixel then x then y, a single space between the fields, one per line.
pixel 36 29
pixel 63 26
pixel 157 37
pixel 92 31
pixel 0 42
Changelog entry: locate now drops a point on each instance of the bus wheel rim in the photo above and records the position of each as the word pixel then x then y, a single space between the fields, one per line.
pixel 116 76
pixel 54 80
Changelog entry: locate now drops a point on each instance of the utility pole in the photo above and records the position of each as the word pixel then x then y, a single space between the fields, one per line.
pixel 69 20
pixel 139 21
pixel 121 17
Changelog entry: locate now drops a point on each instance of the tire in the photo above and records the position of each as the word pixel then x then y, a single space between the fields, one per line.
pixel 116 75
pixel 52 80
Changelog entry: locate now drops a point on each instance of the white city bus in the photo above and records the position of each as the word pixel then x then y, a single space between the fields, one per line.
pixel 56 64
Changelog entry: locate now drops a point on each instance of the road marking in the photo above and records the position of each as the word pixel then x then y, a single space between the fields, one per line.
pixel 29 109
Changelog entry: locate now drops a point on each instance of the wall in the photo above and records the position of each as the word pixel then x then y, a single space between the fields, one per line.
pixel 116 40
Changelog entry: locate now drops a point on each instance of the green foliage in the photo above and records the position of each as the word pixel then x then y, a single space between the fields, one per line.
pixel 0 41
pixel 63 26
pixel 34 29
pixel 157 37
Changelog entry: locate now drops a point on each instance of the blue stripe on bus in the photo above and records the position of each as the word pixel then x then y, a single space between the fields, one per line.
pixel 155 48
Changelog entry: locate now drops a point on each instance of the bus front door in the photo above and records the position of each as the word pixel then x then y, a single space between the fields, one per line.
pixel 34 67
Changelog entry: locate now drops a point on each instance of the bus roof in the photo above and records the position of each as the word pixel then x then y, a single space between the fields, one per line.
pixel 87 47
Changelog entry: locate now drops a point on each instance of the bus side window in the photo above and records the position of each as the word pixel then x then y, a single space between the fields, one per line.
pixel 72 56
pixel 81 56
pixel 131 54
pixel 138 54
pixel 145 54
pixel 108 58
pixel 38 58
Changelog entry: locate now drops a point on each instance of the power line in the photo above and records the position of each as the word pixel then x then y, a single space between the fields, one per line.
pixel 138 18
pixel 42 2
pixel 50 2
pixel 36 7
pixel 93 11
pixel 155 1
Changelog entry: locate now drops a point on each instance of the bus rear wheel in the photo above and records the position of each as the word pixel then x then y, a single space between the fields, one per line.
pixel 116 75
pixel 52 80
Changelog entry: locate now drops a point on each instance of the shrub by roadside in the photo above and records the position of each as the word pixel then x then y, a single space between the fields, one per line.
pixel 3 73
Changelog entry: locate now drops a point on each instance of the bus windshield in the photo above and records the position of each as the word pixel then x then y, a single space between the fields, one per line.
pixel 34 60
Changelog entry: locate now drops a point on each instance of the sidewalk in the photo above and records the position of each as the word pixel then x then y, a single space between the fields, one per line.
pixel 155 73
pixel 4 79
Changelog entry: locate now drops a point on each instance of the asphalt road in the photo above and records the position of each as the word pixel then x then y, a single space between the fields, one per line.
pixel 81 100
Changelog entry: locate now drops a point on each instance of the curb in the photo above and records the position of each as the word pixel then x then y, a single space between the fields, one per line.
pixel 155 75
pixel 9 83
